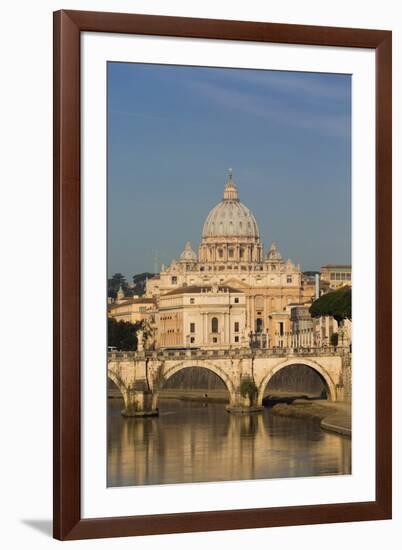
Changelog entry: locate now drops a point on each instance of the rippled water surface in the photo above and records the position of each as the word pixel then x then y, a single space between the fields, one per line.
pixel 191 442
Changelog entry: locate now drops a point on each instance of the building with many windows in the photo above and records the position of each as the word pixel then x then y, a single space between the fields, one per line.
pixel 132 309
pixel 336 275
pixel 202 317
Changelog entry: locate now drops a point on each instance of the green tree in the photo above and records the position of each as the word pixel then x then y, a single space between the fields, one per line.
pixel 337 304
pixel 139 281
pixel 248 388
pixel 122 334
pixel 115 282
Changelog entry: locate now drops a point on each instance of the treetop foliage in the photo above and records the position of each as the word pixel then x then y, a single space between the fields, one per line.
pixel 119 280
pixel 122 334
pixel 336 304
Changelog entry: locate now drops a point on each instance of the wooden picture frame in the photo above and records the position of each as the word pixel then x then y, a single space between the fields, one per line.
pixel 68 25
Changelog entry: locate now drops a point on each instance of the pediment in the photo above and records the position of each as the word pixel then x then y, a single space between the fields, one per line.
pixel 235 283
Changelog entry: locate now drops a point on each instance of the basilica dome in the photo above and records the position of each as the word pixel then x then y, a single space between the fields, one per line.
pixel 230 218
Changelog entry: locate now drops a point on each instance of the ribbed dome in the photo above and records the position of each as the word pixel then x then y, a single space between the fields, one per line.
pixel 230 218
pixel 188 254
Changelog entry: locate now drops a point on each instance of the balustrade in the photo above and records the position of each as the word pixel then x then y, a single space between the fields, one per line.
pixel 121 356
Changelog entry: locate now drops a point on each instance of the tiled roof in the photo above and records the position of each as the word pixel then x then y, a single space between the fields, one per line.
pixel 133 301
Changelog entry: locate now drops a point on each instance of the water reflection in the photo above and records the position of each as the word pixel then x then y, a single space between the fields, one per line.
pixel 191 442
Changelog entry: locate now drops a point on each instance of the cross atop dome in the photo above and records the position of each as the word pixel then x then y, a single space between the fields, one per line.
pixel 230 192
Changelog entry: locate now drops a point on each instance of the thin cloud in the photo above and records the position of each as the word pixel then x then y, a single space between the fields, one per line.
pixel 310 84
pixel 278 111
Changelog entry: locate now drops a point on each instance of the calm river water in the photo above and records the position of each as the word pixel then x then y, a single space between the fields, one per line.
pixel 191 442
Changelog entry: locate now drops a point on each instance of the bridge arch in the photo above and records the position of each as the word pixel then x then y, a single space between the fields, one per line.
pixel 220 372
pixel 115 378
pixel 298 361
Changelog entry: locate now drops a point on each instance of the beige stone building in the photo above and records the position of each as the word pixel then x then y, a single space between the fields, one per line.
pixel 230 256
pixel 202 317
pixel 132 309
pixel 336 275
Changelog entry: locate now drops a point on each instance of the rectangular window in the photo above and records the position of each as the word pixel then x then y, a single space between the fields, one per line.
pixel 332 277
pixel 289 279
pixel 280 329
pixel 236 300
pixel 174 280
pixel 236 339
pixel 192 300
pixel 214 340
pixel 236 326
pixel 192 340
pixel 231 252
pixel 192 327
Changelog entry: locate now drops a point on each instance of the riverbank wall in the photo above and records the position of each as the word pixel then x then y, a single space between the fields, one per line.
pixel 333 417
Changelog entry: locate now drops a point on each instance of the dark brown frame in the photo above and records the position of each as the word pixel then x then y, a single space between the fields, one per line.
pixel 67 481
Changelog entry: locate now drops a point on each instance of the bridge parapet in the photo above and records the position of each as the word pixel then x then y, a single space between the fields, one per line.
pixel 224 353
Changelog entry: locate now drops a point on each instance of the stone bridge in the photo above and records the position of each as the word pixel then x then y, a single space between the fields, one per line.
pixel 141 375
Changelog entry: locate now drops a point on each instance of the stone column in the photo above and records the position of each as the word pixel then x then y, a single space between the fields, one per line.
pixel 226 328
pixel 202 328
pixel 206 328
pixel 252 314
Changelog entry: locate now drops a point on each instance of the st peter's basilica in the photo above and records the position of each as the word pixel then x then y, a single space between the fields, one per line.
pixel 231 293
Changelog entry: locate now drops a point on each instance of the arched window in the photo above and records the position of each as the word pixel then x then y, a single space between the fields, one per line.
pixel 214 324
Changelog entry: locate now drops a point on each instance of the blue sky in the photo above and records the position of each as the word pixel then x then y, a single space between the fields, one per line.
pixel 173 133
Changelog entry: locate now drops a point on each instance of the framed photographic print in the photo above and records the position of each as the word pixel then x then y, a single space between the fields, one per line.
pixel 214 184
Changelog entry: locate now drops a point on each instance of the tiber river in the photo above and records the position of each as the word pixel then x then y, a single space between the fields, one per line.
pixel 195 441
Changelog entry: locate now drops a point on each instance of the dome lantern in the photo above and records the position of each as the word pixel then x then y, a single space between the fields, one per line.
pixel 230 192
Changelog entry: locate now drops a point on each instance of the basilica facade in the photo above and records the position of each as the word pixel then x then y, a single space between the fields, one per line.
pixel 231 292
